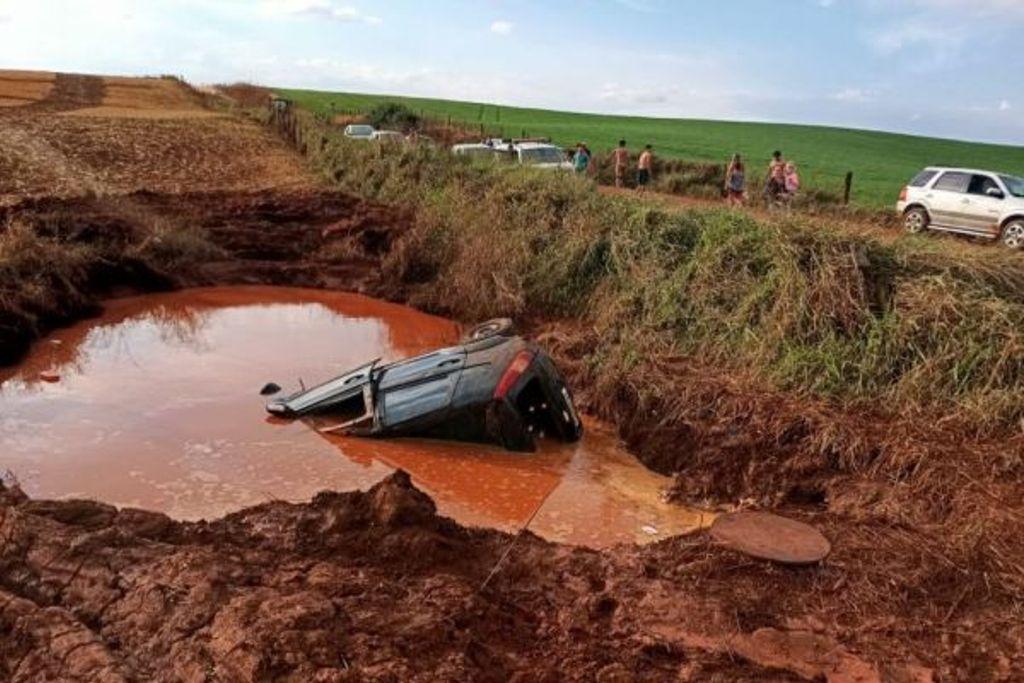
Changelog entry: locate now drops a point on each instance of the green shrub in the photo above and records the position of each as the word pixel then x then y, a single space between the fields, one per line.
pixel 393 115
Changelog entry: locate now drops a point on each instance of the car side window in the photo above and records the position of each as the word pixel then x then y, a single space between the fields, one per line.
pixel 953 182
pixel 923 178
pixel 981 184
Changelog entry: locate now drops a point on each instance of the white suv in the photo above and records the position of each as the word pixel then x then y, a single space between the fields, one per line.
pixel 976 203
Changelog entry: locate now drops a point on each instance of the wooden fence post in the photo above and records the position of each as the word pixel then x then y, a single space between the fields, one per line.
pixel 848 187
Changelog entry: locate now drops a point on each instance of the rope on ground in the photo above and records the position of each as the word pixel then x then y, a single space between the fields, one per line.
pixel 515 539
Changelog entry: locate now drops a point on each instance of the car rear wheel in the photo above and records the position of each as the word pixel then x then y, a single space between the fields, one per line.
pixel 1013 234
pixel 915 221
pixel 499 327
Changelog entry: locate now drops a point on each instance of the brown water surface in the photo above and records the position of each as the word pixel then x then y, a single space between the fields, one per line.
pixel 155 404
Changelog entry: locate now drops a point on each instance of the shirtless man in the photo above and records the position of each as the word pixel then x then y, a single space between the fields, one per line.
pixel 776 177
pixel 643 169
pixel 621 158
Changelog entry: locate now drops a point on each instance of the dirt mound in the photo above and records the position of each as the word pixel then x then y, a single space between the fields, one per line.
pixel 351 587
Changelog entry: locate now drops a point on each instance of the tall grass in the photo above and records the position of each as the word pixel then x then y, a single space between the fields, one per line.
pixel 806 308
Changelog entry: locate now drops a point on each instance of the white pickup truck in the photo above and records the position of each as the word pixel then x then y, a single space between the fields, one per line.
pixel 523 152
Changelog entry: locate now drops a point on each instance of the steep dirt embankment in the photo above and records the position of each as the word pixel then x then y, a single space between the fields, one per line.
pixel 374 586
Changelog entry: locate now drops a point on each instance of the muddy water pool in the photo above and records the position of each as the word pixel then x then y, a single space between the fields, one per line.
pixel 156 404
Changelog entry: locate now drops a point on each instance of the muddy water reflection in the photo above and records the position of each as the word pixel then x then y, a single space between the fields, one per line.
pixel 155 405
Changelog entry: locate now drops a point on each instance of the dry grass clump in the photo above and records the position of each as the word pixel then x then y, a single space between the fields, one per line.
pixel 40 281
pixel 56 258
pixel 245 94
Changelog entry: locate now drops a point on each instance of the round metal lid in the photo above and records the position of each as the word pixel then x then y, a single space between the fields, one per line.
pixel 770 537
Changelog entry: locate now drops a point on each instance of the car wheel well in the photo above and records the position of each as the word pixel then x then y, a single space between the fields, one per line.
pixel 1015 217
pixel 911 207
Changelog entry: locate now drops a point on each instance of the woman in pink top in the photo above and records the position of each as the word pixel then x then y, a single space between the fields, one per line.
pixel 792 181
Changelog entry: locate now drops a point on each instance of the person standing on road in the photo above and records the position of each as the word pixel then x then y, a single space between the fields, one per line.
pixel 643 169
pixel 792 179
pixel 621 158
pixel 735 181
pixel 776 185
pixel 582 159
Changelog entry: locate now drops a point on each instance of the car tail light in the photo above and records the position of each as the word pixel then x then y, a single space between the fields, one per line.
pixel 903 194
pixel 513 372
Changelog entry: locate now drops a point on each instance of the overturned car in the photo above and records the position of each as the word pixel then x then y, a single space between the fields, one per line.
pixel 495 387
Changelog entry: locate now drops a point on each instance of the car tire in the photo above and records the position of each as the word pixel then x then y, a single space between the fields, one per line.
pixel 499 327
pixel 915 221
pixel 1013 234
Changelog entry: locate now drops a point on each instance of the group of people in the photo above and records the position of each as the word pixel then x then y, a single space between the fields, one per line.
pixel 783 180
pixel 582 162
pixel 644 166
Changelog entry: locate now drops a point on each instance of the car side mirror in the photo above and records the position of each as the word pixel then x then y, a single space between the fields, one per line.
pixel 995 192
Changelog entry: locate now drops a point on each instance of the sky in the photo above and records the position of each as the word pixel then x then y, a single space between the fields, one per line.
pixel 946 68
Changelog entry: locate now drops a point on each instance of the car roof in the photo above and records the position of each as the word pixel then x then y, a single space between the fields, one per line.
pixel 537 145
pixel 955 169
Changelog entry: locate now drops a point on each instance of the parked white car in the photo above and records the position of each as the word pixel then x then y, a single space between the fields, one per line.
pixel 480 150
pixel 388 136
pixel 359 131
pixel 542 155
pixel 966 201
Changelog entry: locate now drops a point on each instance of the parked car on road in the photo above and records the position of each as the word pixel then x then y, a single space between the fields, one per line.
pixel 494 387
pixel 388 136
pixel 542 155
pixel 359 131
pixel 481 150
pixel 970 202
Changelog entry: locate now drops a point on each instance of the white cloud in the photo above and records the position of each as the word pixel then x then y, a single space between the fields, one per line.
pixel 324 9
pixel 916 34
pixel 854 95
pixel 1005 105
pixel 502 28
pixel 985 7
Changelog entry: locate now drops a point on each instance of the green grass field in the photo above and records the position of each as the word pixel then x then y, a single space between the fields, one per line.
pixel 881 162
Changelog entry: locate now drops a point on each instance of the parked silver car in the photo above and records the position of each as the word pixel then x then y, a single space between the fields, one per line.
pixel 977 203
pixel 359 131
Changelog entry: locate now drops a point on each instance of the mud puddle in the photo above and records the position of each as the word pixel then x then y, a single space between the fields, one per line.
pixel 155 405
